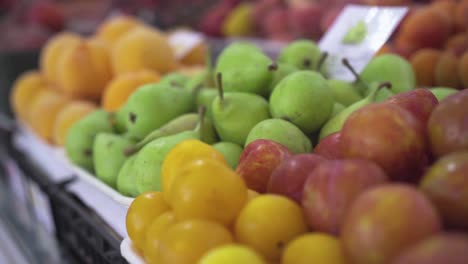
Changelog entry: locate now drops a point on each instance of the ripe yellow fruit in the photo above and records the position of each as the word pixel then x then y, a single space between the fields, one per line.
pixel 268 222
pixel 112 29
pixel 25 88
pixel 68 116
pixel 154 233
pixel 232 254
pixel 313 248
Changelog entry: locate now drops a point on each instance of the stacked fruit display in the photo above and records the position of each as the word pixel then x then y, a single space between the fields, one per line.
pixel 79 74
pixel 435 39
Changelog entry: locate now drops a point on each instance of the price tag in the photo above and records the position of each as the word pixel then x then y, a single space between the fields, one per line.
pixel 357 34
pixel 184 41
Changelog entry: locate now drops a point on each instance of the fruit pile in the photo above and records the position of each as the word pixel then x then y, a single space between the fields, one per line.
pixel 79 74
pixel 435 39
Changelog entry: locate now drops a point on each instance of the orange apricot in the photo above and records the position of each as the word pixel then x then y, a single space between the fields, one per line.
pixel 196 56
pixel 122 86
pixel 84 69
pixel 463 69
pixel 446 71
pixel 53 51
pixel 143 48
pixel 424 62
pixel 458 43
pixel 68 116
pixel 25 88
pixel 44 110
pixel 115 27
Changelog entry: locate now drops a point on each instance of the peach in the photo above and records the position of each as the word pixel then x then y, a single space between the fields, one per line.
pixel 426 28
pixel 441 248
pixel 68 116
pixel 43 112
pixel 458 43
pixel 143 48
pixel 463 69
pixel 25 88
pixel 53 51
pixel 424 62
pixel 385 220
pixel 121 87
pixel 115 27
pixel 84 69
pixel 446 71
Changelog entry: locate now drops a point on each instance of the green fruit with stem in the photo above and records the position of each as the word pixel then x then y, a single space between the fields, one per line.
pixel 148 161
pixel 304 55
pixel 205 97
pixel 282 132
pixel 126 183
pixel 343 92
pixel 185 122
pixel 236 113
pixel 245 69
pixel 388 68
pixel 153 105
pixel 337 108
pixel 304 99
pixel 336 123
pixel 174 79
pixel 80 137
pixel 230 151
pixel 109 157
pixel 284 69
pixel 441 92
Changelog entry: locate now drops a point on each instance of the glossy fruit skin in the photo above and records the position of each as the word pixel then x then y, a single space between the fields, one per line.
pixel 154 233
pixel 446 185
pixel 441 248
pixel 143 210
pixel 268 222
pixel 232 254
pixel 181 154
pixel 448 125
pixel 330 146
pixel 331 188
pixel 385 220
pixel 258 161
pixel 289 177
pixel 371 133
pixel 187 241
pixel 207 189
pixel 313 248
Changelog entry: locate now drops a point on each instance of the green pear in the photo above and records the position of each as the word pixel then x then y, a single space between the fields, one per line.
pixel 304 99
pixel 153 105
pixel 119 121
pixel 337 108
pixel 230 151
pixel 205 97
pixel 236 113
pixel 343 92
pixel 245 69
pixel 80 137
pixel 441 92
pixel 284 69
pixel 126 182
pixel 389 68
pixel 174 79
pixel 185 122
pixel 304 55
pixel 336 123
pixel 109 157
pixel 283 132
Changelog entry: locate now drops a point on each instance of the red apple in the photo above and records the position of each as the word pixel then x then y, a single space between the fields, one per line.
pixel 258 161
pixel 289 177
pixel 262 8
pixel 214 17
pixel 448 124
pixel 442 248
pixel 388 135
pixel 47 14
pixel 275 21
pixel 329 17
pixel 305 20
pixel 329 146
pixel 446 185
pixel 385 220
pixel 331 188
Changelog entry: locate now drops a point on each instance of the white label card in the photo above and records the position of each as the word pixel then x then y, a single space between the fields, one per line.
pixel 357 34
pixel 183 41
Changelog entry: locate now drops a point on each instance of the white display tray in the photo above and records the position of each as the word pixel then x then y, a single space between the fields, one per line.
pixel 129 254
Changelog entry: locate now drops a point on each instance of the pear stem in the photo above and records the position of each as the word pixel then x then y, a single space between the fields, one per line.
pixel 381 86
pixel 351 69
pixel 219 79
pixel 131 150
pixel 322 60
pixel 201 116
